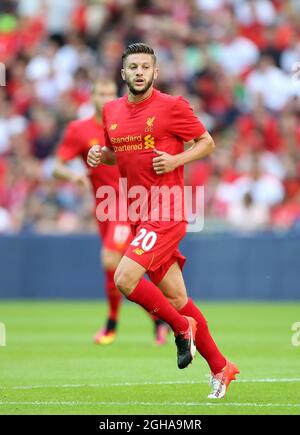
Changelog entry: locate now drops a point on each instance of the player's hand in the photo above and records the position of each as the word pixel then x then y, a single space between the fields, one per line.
pixel 81 180
pixel 164 162
pixel 94 156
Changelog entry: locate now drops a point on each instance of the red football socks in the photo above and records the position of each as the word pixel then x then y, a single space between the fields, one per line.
pixel 151 298
pixel 114 296
pixel 204 341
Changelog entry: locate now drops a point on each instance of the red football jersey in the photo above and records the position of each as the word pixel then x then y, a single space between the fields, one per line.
pixel 134 130
pixel 79 137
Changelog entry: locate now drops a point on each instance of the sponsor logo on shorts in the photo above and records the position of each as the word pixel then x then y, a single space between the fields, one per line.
pixel 139 251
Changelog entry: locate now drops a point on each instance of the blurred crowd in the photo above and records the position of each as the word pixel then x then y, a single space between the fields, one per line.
pixel 236 61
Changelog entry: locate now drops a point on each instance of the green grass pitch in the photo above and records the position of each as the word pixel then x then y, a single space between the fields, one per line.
pixel 51 366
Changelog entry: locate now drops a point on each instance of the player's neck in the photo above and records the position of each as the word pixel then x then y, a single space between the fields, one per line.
pixel 132 98
pixel 98 117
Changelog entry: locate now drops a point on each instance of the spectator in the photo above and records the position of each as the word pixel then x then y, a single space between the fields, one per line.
pixel 255 11
pixel 265 189
pixel 287 214
pixel 270 83
pixel 246 216
pixel 236 53
pixel 291 56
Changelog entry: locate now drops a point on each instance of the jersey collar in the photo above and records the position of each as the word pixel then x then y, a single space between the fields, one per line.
pixel 143 102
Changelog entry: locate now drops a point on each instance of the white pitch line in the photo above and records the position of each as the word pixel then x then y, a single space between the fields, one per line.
pixel 134 384
pixel 76 403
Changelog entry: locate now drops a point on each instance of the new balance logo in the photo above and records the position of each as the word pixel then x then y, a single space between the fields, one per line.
pixel 113 126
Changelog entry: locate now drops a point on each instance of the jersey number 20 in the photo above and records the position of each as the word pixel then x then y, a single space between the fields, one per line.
pixel 147 240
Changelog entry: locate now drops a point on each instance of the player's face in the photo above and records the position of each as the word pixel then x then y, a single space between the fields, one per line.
pixel 139 72
pixel 102 94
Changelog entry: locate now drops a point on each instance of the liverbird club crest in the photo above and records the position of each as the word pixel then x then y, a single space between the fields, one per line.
pixel 149 123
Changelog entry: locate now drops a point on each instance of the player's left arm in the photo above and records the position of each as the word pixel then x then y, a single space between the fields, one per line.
pixel 202 147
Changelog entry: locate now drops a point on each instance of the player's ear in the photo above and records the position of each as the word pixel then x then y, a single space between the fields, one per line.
pixel 155 73
pixel 123 74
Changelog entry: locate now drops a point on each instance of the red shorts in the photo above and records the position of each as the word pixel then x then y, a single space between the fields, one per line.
pixel 155 247
pixel 115 236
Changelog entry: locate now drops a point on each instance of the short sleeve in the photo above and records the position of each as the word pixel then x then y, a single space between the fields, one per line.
pixel 107 141
pixel 184 123
pixel 69 147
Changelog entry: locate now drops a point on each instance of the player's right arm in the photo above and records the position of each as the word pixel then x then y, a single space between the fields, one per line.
pixel 63 172
pixel 69 149
pixel 103 154
pixel 98 155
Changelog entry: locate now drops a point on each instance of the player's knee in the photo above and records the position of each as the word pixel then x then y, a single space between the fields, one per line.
pixel 124 282
pixel 177 301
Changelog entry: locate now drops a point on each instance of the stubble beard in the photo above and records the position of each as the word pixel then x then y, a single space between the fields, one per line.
pixel 135 91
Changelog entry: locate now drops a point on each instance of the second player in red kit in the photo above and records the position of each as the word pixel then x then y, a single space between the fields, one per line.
pixel 78 138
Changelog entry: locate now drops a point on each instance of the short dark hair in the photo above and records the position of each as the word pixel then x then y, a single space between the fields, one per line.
pixel 136 48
